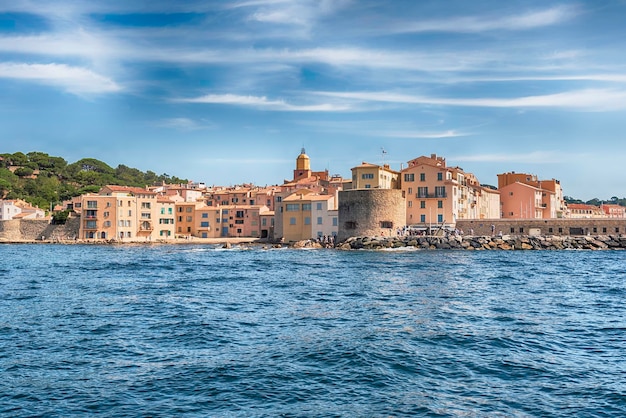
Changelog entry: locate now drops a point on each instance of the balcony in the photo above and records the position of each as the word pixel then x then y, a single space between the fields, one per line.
pixel 146 226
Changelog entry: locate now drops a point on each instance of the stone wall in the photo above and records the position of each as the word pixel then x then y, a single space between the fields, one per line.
pixel 21 230
pixel 370 212
pixel 545 227
pixel 478 243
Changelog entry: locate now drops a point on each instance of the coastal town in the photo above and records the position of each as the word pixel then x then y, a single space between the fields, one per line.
pixel 423 197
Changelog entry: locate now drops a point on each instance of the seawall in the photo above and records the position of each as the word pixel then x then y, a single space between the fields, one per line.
pixel 478 243
pixel 28 230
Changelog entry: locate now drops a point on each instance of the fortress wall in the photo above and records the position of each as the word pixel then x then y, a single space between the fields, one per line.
pixel 370 212
pixel 544 227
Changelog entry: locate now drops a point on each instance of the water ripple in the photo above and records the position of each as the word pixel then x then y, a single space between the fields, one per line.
pixel 202 331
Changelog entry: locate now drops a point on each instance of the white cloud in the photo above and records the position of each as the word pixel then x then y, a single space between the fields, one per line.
pixel 184 124
pixel 588 99
pixel 450 133
pixel 75 80
pixel 530 20
pixel 262 102
pixel 536 157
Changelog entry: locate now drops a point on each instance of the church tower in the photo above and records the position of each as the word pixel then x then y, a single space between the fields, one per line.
pixel 303 166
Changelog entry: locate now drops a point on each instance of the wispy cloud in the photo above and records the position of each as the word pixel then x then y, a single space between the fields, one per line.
pixel 261 102
pixel 536 157
pixel 184 124
pixel 450 133
pixel 529 20
pixel 588 99
pixel 76 80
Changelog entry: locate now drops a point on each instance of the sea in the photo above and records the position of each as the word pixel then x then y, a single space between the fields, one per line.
pixel 251 331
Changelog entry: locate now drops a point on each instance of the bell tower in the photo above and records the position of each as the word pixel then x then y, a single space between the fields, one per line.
pixel 303 166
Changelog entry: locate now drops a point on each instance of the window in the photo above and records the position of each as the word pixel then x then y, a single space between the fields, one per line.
pixel 550 230
pixel 292 221
pixel 410 190
pixel 169 211
pixel 422 176
pixel 239 221
pixel 279 198
pixel 440 204
pixel 307 220
pixel 440 191
pixel 92 204
pixel 521 230
pixel 318 206
pixel 422 204
pixel 189 218
pixel 386 224
pixel 319 220
pixel 423 218
pixel 264 222
pixel 439 176
pixel 440 218
pixel 422 192
pixel 204 235
pixel 292 207
pixel 409 177
pixel 306 206
pixel 145 215
pixel 205 215
pixel 180 219
pixel 162 212
pixel 410 203
pixel 107 224
pixel 204 224
pixel 334 221
pixel 239 214
pixel 91 225
pixel 367 176
pixel 350 225
pixel 130 213
pixel 368 186
pixel 145 205
pixel 188 209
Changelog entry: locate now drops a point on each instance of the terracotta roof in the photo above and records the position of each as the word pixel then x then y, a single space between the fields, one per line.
pixel 128 189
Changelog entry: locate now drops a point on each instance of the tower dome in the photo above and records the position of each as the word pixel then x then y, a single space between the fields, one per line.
pixel 303 162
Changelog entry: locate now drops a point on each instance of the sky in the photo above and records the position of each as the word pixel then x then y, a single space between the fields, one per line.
pixel 229 92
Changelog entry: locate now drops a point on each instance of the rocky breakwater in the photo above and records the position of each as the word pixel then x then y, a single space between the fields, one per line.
pixel 478 243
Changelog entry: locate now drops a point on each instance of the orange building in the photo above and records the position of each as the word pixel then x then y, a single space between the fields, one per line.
pixel 552 203
pixel 440 195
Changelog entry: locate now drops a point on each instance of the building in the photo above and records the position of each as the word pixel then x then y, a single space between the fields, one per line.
pixel 308 215
pixel 522 201
pixel 551 205
pixel 8 210
pixel 584 211
pixel 440 195
pixel 613 211
pixel 372 176
pixel 166 209
pixel 119 213
pixel 316 182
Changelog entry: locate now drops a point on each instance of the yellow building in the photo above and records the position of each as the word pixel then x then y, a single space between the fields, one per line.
pixel 307 215
pixel 372 176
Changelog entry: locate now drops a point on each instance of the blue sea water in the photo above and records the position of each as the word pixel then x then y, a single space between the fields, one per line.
pixel 203 331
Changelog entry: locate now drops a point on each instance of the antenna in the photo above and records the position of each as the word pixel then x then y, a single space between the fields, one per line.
pixel 383 152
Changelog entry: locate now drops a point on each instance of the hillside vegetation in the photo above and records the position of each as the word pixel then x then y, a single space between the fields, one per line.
pixel 44 180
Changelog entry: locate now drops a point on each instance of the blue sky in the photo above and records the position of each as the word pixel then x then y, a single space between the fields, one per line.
pixel 228 92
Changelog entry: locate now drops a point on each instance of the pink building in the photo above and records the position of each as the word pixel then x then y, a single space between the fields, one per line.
pixel 522 201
